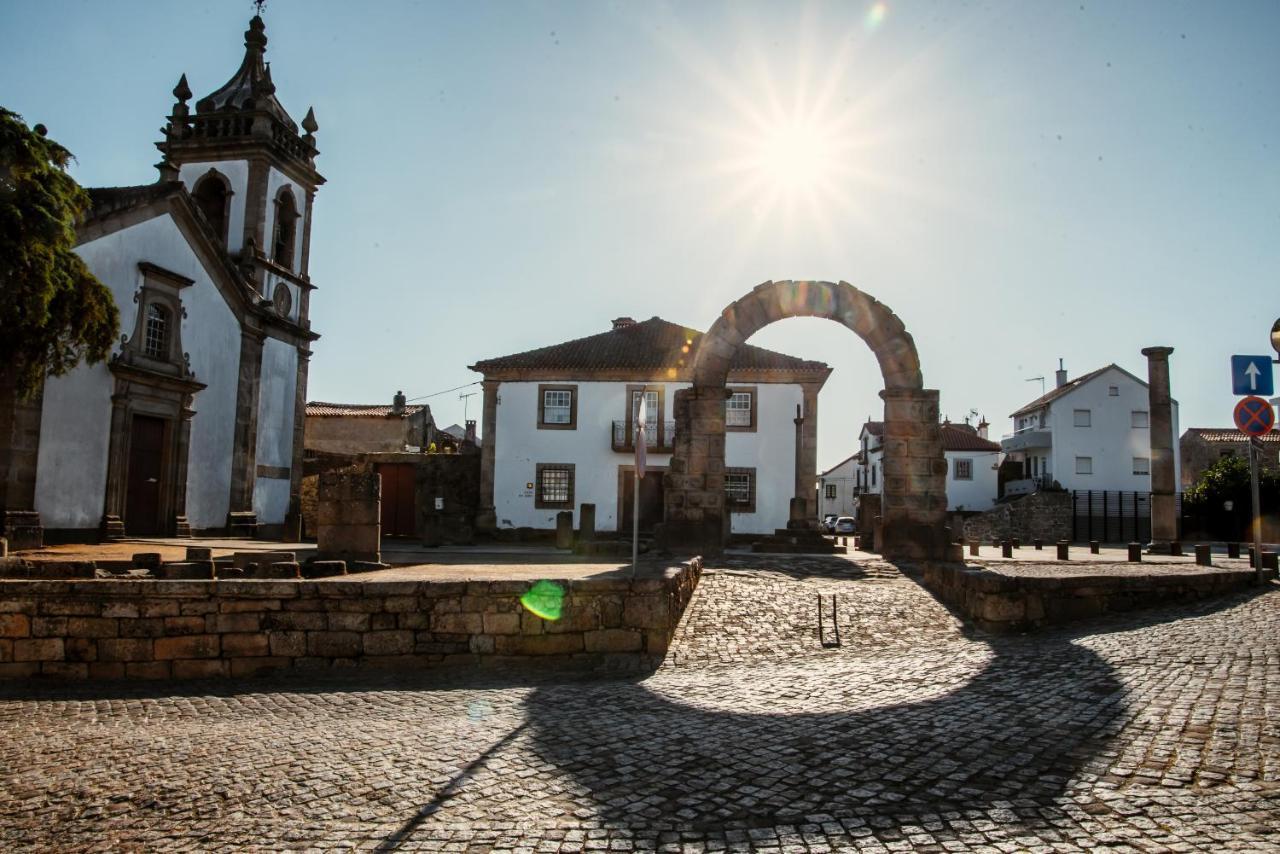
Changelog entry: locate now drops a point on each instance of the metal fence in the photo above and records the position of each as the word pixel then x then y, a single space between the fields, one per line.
pixel 1113 516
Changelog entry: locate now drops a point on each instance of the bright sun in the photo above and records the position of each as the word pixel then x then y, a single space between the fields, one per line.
pixel 796 156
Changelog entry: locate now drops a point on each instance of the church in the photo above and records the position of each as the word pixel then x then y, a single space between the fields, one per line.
pixel 195 422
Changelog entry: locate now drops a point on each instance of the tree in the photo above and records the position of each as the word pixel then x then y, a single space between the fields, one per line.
pixel 53 312
pixel 1228 480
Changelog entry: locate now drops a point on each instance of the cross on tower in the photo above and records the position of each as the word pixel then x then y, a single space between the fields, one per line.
pixel 260 5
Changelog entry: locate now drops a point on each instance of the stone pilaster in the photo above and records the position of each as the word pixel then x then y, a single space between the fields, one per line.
pixel 19 450
pixel 696 519
pixel 244 457
pixel 1164 513
pixel 486 516
pixel 914 499
pixel 182 453
pixel 807 476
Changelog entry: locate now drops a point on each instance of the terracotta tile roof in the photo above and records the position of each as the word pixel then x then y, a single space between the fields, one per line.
pixel 1226 434
pixel 875 428
pixel 856 458
pixel 958 437
pixel 650 345
pixel 1071 385
pixel 319 409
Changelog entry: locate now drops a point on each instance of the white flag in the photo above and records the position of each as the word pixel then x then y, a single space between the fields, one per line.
pixel 641 416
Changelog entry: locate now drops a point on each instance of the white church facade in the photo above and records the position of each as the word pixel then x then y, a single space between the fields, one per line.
pixel 195 422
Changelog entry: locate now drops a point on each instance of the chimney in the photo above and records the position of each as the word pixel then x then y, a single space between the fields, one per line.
pixel 471 431
pixel 982 427
pixel 397 404
pixel 1061 374
pixel 623 322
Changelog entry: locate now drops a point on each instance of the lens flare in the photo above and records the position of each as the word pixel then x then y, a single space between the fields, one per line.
pixel 544 599
pixel 876 15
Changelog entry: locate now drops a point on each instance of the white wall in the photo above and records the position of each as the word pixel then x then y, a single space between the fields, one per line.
pixel 276 394
pixel 1110 440
pixel 520 446
pixel 979 493
pixel 844 478
pixel 237 174
pixel 75 426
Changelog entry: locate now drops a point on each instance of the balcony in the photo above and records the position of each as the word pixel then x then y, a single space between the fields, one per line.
pixel 1030 438
pixel 655 442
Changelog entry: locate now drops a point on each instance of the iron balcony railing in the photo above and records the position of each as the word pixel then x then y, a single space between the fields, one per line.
pixel 656 440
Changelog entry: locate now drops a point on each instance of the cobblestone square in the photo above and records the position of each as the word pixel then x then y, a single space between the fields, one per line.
pixel 1155 731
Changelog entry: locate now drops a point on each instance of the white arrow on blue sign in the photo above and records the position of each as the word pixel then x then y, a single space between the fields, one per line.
pixel 1251 375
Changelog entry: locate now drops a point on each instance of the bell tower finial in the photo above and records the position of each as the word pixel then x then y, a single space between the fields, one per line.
pixel 260 6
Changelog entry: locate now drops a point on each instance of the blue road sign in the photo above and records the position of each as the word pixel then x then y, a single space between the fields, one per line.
pixel 1251 375
pixel 1254 416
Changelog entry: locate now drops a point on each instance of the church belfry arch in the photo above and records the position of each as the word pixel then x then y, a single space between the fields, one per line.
pixel 914 493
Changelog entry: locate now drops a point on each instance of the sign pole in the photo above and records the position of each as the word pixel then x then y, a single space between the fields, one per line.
pixel 1257 512
pixel 635 520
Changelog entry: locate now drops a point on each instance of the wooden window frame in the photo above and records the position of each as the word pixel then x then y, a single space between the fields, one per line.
pixel 662 409
pixel 955 468
pixel 538 502
pixel 750 507
pixel 755 401
pixel 831 492
pixel 573 407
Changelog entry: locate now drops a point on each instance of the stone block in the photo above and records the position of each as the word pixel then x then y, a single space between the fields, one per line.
pixel 188 646
pixel 106 670
pixel 388 643
pixel 382 622
pixel 190 625
pixel 199 553
pixel 19 669
pixel 200 669
pixel 248 606
pixel 186 571
pixel 39 649
pixel 501 624
pixel 160 608
pixel 295 621
pixel 15 626
pixel 613 640
pixel 244 622
pixel 324 568
pixel 538 644
pixel 414 620
pixel 6 650
pixel 244 644
pixel 92 627
pixel 150 561
pixel 64 670
pixel 125 649
pixel 334 644
pixel 257 666
pixel 348 622
pixel 646 612
pixel 127 610
pixel 81 649
pixel 292 644
pixel 461 623
pixel 147 670
pixel 55 608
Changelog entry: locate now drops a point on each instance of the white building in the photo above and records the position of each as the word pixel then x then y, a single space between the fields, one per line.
pixel 973 463
pixel 196 420
pixel 839 487
pixel 1089 433
pixel 558 422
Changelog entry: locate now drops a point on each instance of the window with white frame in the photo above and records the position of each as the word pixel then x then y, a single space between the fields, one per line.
pixel 1139 418
pixel 557 407
pixel 555 486
pixel 1083 417
pixel 963 469
pixel 740 410
pixel 652 413
pixel 1113 391
pixel 831 492
pixel 740 490
pixel 156 340
pixel 1084 465
pixel 1142 465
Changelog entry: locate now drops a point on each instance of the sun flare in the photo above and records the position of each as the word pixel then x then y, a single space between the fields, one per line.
pixel 796 156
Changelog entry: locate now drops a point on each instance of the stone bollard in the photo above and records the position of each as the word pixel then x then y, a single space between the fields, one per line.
pixel 857 541
pixel 1253 563
pixel 1233 550
pixel 324 568
pixel 844 541
pixel 1017 543
pixel 1062 550
pixel 1135 552
pixel 150 561
pixel 1270 560
pixel 199 553
pixel 4 547
pixel 195 570
pixel 564 529
pixel 973 548
pixel 1203 557
pixel 586 522
pixel 1175 548
pixel 1038 543
pixel 1006 548
pixel 1094 547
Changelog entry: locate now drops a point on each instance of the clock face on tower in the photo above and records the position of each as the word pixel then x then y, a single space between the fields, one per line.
pixel 282 299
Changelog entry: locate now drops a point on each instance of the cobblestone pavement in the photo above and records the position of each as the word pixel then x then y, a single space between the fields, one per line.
pixel 1159 731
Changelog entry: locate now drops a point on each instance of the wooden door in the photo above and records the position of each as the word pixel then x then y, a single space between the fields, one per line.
pixel 146 468
pixel 650 500
pixel 399 500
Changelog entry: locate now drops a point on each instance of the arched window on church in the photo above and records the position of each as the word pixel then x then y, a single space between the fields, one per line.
pixel 286 229
pixel 156 339
pixel 213 196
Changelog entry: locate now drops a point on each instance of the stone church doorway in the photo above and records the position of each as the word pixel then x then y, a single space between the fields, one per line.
pixel 146 473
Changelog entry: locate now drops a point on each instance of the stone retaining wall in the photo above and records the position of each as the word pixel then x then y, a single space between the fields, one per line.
pixel 108 629
pixel 1040 515
pixel 1002 603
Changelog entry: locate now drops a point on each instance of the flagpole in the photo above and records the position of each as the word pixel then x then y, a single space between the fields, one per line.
pixel 639 439
pixel 635 522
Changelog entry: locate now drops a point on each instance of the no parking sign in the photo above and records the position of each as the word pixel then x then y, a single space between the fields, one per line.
pixel 1254 416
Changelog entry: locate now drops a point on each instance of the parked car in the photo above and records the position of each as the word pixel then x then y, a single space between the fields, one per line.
pixel 829 523
pixel 845 525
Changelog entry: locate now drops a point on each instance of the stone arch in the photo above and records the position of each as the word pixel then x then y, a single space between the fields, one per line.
pixel 914 500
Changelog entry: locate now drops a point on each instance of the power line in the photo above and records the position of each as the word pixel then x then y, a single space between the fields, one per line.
pixel 446 391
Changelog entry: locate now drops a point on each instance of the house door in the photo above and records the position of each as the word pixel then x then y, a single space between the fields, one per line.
pixel 146 465
pixel 399 500
pixel 650 500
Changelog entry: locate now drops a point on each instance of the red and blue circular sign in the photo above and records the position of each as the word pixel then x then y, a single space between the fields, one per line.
pixel 1255 416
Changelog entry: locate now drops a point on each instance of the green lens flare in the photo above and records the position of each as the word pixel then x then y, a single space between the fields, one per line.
pixel 544 598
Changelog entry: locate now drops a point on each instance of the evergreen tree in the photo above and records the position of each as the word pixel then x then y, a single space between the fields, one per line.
pixel 53 312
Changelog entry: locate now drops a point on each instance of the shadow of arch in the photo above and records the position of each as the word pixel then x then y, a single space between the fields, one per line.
pixel 914 500
pixel 1018 729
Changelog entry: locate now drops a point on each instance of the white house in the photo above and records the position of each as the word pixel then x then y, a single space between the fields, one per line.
pixel 196 420
pixel 558 424
pixel 839 487
pixel 1089 433
pixel 973 462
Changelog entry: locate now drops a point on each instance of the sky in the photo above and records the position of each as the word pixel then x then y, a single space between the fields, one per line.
pixel 1019 181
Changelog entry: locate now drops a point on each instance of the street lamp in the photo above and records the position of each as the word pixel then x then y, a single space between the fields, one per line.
pixel 1275 336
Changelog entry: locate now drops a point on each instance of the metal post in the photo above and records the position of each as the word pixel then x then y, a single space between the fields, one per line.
pixel 1257 511
pixel 635 521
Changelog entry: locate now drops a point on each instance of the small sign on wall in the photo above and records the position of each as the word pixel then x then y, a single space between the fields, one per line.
pixel 439 503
